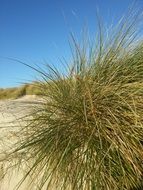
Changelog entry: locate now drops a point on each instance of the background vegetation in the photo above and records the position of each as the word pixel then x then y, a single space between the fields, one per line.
pixel 17 92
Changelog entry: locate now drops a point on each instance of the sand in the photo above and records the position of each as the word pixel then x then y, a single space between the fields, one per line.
pixel 10 111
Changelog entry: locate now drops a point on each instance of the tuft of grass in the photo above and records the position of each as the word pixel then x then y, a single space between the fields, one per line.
pixel 87 132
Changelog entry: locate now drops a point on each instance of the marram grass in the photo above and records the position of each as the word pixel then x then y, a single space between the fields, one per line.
pixel 87 132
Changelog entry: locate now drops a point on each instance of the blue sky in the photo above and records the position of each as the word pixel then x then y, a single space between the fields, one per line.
pixel 35 31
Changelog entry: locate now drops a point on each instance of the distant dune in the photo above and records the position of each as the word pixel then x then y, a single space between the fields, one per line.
pixel 17 92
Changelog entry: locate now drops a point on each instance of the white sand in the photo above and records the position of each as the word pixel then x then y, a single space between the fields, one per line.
pixel 10 111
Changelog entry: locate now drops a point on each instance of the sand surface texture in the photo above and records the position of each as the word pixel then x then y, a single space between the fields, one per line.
pixel 10 111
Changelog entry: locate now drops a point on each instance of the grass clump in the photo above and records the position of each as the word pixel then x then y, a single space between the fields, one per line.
pixel 87 133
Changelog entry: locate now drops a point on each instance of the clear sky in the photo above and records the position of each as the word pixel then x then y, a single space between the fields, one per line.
pixel 35 31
